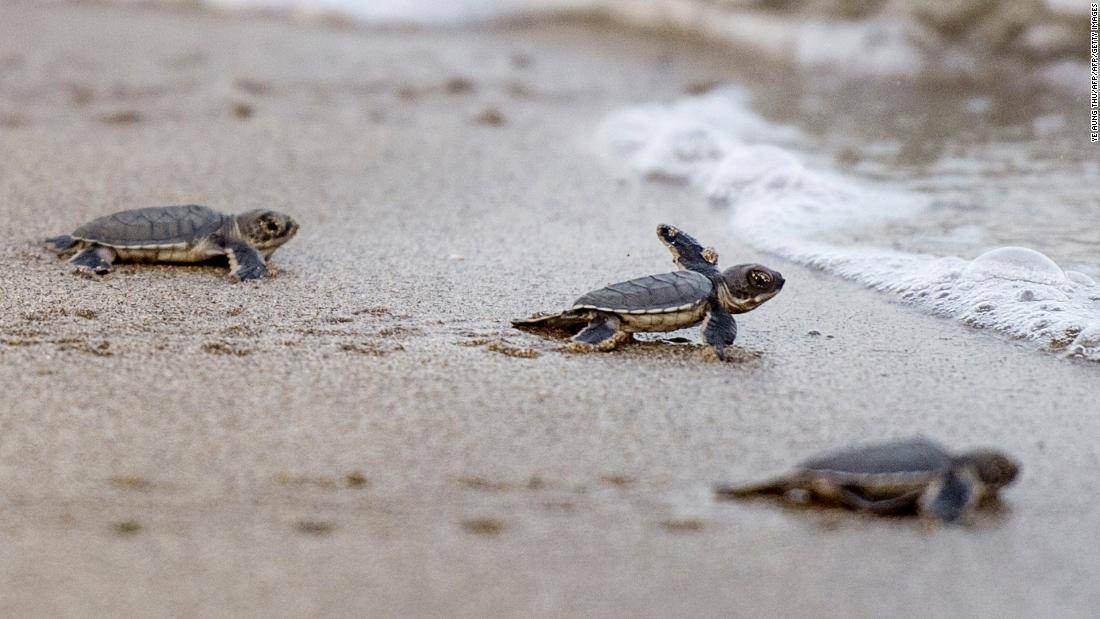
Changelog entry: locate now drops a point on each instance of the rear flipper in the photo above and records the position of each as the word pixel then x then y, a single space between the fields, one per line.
pixel 688 253
pixel 61 244
pixel 565 321
pixel 719 330
pixel 950 498
pixel 778 486
pixel 94 260
pixel 602 334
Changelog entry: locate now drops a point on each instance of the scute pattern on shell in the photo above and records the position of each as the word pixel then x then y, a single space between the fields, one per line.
pixel 153 225
pixel 667 290
pixel 915 456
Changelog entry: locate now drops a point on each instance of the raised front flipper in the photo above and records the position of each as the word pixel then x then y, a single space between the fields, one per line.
pixel 951 497
pixel 245 262
pixel 719 329
pixel 688 253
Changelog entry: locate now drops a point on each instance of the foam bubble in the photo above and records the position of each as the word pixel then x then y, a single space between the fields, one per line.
pixel 1016 264
pixel 781 206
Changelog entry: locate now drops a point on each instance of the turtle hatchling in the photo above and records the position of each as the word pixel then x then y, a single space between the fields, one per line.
pixel 699 292
pixel 910 476
pixel 186 233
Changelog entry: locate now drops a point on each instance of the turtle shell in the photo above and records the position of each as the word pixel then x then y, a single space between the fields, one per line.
pixel 153 226
pixel 666 292
pixel 895 464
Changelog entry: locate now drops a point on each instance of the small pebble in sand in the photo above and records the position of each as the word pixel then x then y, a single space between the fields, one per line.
pixel 701 87
pixel 559 506
pixel 80 95
pixel 251 86
pixel 458 86
pixel 287 479
pixel 314 527
pixel 127 527
pixel 683 525
pixel 491 117
pixel 480 483
pixel 484 526
pixel 356 479
pixel 243 111
pixel 621 481
pixel 131 482
pixel 87 314
pixel 814 333
pixel 128 117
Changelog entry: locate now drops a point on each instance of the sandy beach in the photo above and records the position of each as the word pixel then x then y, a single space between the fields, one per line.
pixel 364 435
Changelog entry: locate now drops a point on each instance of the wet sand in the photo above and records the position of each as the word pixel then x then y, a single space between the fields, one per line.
pixel 363 434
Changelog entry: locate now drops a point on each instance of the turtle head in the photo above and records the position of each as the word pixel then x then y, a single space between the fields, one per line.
pixel 749 285
pixel 993 468
pixel 266 229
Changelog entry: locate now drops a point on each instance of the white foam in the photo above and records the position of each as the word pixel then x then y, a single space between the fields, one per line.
pixel 784 207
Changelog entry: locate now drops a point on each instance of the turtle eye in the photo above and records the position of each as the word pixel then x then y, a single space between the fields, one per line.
pixel 760 279
pixel 271 226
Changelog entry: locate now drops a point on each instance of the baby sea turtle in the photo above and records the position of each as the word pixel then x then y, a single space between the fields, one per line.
pixel 187 233
pixel 915 475
pixel 666 302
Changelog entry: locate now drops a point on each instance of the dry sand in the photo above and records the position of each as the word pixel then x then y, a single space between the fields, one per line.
pixel 351 436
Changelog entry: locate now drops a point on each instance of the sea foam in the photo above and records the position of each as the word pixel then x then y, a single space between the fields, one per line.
pixel 783 206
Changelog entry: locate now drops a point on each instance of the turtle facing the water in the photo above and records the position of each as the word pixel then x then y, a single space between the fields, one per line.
pixel 666 302
pixel 915 475
pixel 187 233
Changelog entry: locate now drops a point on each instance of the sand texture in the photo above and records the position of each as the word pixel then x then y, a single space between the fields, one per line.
pixel 363 434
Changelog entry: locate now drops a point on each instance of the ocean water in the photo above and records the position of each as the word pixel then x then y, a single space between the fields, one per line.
pixel 903 39
pixel 998 230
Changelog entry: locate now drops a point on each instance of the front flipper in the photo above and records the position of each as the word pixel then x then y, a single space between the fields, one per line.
pixel 719 329
pixel 950 498
pixel 688 253
pixel 245 262
pixel 94 260
pixel 602 334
